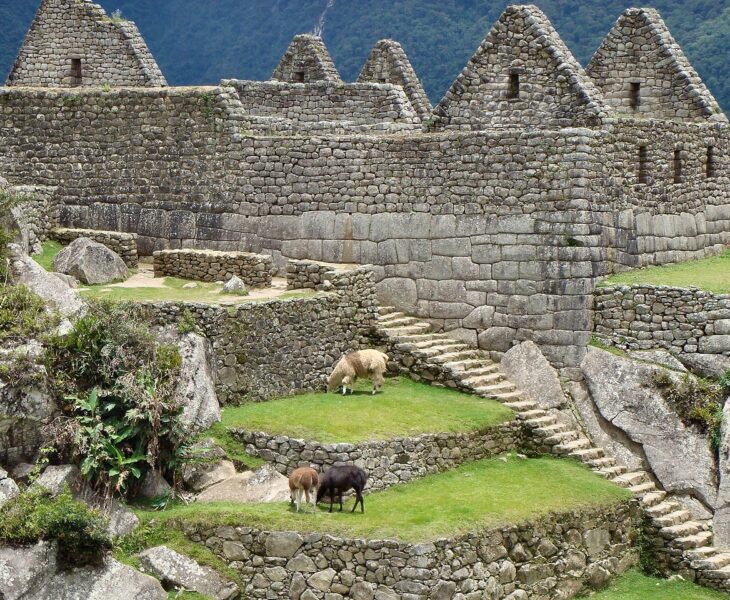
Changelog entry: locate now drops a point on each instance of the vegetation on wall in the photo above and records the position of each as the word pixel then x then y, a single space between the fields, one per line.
pixel 204 42
pixel 115 385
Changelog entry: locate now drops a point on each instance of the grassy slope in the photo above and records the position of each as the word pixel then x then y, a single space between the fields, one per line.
pixel 45 258
pixel 711 274
pixel 636 586
pixel 481 494
pixel 403 408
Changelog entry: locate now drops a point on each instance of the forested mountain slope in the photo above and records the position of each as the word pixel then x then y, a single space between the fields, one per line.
pixel 203 42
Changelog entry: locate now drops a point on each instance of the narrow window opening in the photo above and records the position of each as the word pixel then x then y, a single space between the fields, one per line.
pixel 643 164
pixel 635 100
pixel 710 162
pixel 76 74
pixel 298 76
pixel 677 166
pixel 514 86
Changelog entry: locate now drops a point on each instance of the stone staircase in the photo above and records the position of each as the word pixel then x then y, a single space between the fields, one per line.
pixel 682 544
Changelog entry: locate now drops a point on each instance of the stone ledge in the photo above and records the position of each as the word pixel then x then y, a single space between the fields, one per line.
pixel 387 462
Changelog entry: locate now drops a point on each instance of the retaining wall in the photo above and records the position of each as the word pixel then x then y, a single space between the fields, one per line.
pixel 557 556
pixel 255 270
pixel 281 347
pixel 386 462
pixel 644 317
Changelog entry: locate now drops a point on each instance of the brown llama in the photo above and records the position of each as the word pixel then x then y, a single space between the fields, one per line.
pixel 304 482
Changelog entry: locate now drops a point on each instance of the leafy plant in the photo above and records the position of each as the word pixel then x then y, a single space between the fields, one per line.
pixel 81 532
pixel 115 384
pixel 23 315
pixel 187 323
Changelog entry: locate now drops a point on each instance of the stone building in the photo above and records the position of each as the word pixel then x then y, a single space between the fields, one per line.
pixel 74 43
pixel 493 216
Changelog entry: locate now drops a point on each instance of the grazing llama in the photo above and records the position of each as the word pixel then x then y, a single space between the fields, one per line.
pixel 371 364
pixel 339 480
pixel 303 482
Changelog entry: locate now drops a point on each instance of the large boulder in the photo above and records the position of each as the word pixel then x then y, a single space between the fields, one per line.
pixel 658 357
pixel 24 570
pixel 627 398
pixel 25 271
pixel 181 572
pixel 210 465
pixel 24 410
pixel 8 488
pixel 710 366
pixel 527 368
pixel 56 479
pixel 196 385
pixel 113 581
pixel 721 520
pixel 90 262
pixel 264 485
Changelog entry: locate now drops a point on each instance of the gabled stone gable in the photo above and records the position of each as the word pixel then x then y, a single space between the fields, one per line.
pixel 640 50
pixel 388 63
pixel 554 91
pixel 306 60
pixel 108 51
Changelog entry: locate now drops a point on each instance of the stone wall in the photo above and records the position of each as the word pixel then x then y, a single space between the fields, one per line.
pixel 108 51
pixel 386 462
pixel 281 347
pixel 553 557
pixel 38 213
pixel 307 274
pixel 644 317
pixel 322 105
pixel 497 236
pixel 124 244
pixel 255 270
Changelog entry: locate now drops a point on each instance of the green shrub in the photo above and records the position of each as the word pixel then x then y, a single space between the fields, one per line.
pixel 23 315
pixel 115 385
pixel 81 532
pixel 697 401
pixel 187 323
pixel 8 201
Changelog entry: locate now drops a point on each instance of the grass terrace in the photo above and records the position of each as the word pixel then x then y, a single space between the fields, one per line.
pixel 637 586
pixel 404 408
pixel 710 274
pixel 480 494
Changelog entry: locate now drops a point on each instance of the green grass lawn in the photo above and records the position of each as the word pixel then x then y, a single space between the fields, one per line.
pixel 45 258
pixel 480 494
pixel 636 586
pixel 403 408
pixel 711 274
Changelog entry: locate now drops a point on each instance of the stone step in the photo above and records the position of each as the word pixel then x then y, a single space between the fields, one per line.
pixel 702 553
pixel 642 488
pixel 471 363
pixel 385 310
pixel 697 540
pixel 507 396
pixel 447 357
pixel 572 446
pixel 717 574
pixel 393 316
pixel 605 462
pixel 611 472
pixel 414 329
pixel 481 380
pixel 541 421
pixel 688 528
pixel 673 518
pixel 437 349
pixel 717 561
pixel 415 338
pixel 493 390
pixel 475 371
pixel 521 405
pixel 532 413
pixel 663 508
pixel 653 498
pixel 587 454
pixel 561 437
pixel 629 479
